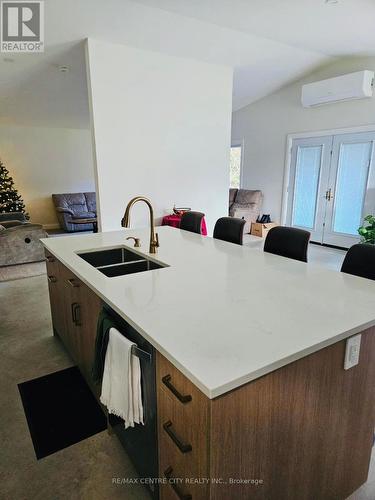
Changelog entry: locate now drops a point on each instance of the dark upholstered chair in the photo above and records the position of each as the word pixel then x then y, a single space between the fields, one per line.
pixel 360 261
pixel 229 229
pixel 76 206
pixel 288 242
pixel 192 221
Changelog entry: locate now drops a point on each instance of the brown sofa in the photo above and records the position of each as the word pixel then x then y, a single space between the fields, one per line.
pixel 245 204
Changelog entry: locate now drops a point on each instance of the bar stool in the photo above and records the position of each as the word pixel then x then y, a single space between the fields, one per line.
pixel 288 242
pixel 360 261
pixel 229 229
pixel 192 221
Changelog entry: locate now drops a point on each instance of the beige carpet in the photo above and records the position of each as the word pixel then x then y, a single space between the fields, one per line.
pixel 10 273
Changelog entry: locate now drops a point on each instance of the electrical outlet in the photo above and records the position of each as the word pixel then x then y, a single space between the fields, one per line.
pixel 353 346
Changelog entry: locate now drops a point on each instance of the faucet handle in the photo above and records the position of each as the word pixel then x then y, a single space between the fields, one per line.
pixel 156 239
pixel 137 241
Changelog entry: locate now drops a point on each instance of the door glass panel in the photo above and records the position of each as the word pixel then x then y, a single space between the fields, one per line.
pixel 306 186
pixel 235 166
pixel 351 185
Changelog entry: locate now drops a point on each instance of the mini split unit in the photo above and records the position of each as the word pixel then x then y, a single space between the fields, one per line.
pixel 341 88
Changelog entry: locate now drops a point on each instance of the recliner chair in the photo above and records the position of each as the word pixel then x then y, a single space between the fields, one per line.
pixel 76 206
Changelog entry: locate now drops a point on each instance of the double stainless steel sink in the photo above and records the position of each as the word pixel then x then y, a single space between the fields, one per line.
pixel 119 261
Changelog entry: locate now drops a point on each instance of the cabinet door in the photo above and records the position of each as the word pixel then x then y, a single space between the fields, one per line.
pixel 56 294
pixel 90 308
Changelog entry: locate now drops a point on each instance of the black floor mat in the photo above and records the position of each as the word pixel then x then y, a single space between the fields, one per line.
pixel 60 410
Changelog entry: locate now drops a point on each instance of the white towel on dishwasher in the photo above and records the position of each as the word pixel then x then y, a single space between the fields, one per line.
pixel 121 385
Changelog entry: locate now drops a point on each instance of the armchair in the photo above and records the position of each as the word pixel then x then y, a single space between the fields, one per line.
pixel 245 204
pixel 77 206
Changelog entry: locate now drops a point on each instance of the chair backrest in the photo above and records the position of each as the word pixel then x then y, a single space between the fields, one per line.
pixel 288 242
pixel 360 261
pixel 192 221
pixel 229 229
pixel 72 201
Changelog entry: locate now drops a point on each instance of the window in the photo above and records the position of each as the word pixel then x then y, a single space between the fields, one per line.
pixel 235 166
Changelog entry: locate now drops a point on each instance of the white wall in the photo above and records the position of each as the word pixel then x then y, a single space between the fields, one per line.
pixel 264 125
pixel 43 161
pixel 161 129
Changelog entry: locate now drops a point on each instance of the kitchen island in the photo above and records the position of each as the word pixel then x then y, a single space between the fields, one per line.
pixel 256 342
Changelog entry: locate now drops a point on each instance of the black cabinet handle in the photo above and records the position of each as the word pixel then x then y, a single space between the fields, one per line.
pixel 52 279
pixel 168 474
pixel 72 312
pixel 181 397
pixel 76 309
pixel 77 314
pixel 183 447
pixel 49 258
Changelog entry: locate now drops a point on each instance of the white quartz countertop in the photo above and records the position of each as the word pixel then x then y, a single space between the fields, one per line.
pixel 224 314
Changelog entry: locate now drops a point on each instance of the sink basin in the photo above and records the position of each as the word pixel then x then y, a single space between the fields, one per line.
pixel 109 257
pixel 119 261
pixel 129 268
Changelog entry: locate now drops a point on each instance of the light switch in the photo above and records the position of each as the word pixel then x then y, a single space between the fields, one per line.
pixel 353 346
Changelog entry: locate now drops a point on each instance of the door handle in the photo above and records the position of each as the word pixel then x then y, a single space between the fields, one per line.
pixel 168 474
pixel 183 447
pixel 329 195
pixel 181 397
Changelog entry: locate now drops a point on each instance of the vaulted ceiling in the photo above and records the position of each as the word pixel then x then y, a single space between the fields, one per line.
pixel 268 43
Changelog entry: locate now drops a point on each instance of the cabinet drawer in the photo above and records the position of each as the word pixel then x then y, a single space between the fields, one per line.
pixel 186 433
pixel 183 434
pixel 181 390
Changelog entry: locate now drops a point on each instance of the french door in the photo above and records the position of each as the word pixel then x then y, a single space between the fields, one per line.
pixel 331 186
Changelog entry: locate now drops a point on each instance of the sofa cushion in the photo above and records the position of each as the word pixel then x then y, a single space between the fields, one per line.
pixel 83 215
pixel 75 201
pixel 21 244
pixel 12 216
pixel 248 197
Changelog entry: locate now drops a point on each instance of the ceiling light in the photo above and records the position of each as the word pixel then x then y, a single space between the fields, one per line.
pixel 331 2
pixel 8 60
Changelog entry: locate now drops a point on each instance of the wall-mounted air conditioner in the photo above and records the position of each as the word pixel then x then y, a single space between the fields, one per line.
pixel 341 88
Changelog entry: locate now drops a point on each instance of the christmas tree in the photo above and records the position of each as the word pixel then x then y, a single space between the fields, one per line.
pixel 10 200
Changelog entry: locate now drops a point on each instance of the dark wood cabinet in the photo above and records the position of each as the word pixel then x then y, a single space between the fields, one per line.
pixel 56 293
pixel 301 432
pixel 75 309
pixel 89 308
